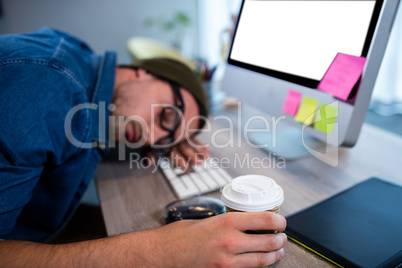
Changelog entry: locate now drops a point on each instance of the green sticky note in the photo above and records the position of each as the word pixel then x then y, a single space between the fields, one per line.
pixel 326 118
pixel 307 110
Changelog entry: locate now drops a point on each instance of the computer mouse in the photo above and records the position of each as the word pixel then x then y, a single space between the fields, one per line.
pixel 193 208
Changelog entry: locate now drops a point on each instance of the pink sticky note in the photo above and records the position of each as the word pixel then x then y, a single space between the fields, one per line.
pixel 342 75
pixel 292 102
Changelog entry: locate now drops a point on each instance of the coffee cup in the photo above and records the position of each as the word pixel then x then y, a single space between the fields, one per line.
pixel 252 193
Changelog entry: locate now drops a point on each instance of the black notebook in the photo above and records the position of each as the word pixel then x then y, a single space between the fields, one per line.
pixel 359 227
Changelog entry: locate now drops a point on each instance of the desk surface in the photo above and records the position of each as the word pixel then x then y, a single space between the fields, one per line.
pixel 132 198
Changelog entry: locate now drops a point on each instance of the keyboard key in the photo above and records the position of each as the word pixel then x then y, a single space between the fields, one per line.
pixel 178 185
pixel 217 177
pixel 178 171
pixel 190 188
pixel 199 182
pixel 188 182
pixel 225 175
pixel 169 174
pixel 212 184
pixel 204 178
pixel 198 168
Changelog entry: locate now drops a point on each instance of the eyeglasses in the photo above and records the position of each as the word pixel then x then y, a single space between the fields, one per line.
pixel 170 120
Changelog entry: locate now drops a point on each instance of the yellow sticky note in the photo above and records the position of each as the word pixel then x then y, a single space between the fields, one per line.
pixel 307 110
pixel 326 118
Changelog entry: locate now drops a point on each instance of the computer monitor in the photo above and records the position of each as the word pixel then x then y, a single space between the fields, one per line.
pixel 284 46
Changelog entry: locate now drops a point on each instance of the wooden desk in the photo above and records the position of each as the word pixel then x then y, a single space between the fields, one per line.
pixel 132 198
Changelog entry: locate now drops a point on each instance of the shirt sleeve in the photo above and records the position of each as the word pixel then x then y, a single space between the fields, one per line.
pixel 16 187
pixel 40 172
pixel 32 138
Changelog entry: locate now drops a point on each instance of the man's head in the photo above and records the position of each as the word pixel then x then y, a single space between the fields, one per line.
pixel 157 101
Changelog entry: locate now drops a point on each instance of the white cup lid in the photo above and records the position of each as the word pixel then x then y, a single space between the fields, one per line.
pixel 252 193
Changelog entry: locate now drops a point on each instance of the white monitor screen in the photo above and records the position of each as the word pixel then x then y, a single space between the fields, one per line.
pixel 300 38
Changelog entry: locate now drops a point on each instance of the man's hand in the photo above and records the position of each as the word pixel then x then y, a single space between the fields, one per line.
pixel 219 241
pixel 185 153
pixel 189 152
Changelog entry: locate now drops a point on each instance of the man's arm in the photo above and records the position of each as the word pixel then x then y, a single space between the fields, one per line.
pixel 219 241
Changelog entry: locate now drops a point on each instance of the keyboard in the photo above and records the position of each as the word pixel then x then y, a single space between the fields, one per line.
pixel 197 179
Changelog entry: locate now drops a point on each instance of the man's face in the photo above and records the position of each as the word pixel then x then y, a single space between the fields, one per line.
pixel 138 107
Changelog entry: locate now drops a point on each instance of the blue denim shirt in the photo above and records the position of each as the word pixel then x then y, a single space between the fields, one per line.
pixel 46 155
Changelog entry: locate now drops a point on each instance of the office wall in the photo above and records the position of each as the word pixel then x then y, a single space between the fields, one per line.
pixel 387 95
pixel 103 24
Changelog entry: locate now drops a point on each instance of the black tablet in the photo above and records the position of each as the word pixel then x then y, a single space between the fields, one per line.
pixel 359 227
